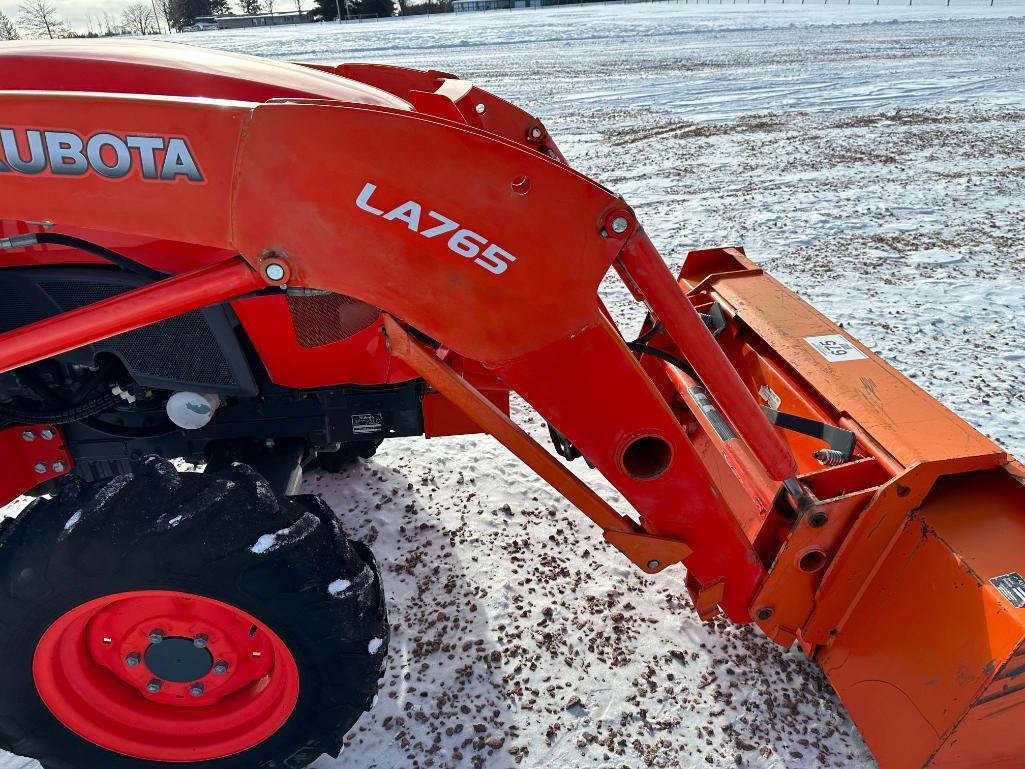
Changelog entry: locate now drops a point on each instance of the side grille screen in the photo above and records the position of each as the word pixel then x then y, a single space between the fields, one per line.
pixel 324 319
pixel 181 349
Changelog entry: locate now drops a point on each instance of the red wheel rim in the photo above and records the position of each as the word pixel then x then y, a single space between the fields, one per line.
pixel 96 669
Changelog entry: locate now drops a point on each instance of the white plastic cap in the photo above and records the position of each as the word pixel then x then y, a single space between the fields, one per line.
pixel 191 411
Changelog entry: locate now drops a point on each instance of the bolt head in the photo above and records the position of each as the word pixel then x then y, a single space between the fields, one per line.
pixel 28 435
pixel 200 641
pixel 620 225
pixel 40 467
pixel 481 109
pixel 196 690
pixel 47 435
pixel 536 132
pixel 654 565
pixel 156 636
pixel 58 467
pixel 154 686
pixel 274 272
pixel 220 667
pixel 133 659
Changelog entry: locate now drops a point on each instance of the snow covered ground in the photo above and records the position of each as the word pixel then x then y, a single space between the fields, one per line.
pixel 872 158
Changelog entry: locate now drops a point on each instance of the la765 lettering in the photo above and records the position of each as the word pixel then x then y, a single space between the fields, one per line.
pixel 462 241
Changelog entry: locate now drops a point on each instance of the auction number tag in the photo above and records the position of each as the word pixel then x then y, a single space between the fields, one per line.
pixel 835 348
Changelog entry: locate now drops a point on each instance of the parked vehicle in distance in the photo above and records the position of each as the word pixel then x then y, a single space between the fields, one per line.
pixel 202 25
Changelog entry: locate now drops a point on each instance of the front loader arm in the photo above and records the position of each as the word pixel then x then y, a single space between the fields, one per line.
pixel 493 249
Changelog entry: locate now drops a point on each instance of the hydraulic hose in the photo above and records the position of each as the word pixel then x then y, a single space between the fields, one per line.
pixel 56 239
pixel 65 416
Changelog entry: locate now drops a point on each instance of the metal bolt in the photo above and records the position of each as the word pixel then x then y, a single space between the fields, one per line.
pixel 481 109
pixel 220 667
pixel 200 641
pixel 196 690
pixel 274 272
pixel 40 467
pixel 28 435
pixel 536 132
pixel 154 686
pixel 653 565
pixel 620 225
pixel 133 659
pixel 156 636
pixel 47 434
pixel 58 466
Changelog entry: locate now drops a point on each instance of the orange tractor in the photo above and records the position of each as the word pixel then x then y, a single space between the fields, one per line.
pixel 264 267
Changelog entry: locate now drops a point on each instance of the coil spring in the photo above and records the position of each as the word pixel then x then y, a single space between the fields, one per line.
pixel 830 457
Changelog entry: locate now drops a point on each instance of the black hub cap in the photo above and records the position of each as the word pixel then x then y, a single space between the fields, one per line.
pixel 178 660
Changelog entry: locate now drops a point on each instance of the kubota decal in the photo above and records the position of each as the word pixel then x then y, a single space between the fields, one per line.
pixel 112 156
pixel 462 241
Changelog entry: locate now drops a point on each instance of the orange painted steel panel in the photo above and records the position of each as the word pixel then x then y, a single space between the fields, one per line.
pixel 651 553
pixel 30 459
pixel 646 268
pixel 911 424
pixel 928 664
pixel 478 294
pixel 180 210
pixel 168 69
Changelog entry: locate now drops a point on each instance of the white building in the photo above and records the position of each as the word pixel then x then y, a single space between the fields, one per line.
pixel 493 5
pixel 231 21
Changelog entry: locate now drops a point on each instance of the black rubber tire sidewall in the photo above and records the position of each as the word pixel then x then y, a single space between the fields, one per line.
pixel 332 694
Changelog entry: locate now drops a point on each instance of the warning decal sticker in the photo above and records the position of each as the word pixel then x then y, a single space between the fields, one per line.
pixel 1011 587
pixel 835 348
pixel 363 424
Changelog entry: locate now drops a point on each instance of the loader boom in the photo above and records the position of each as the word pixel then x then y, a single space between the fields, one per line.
pixel 454 213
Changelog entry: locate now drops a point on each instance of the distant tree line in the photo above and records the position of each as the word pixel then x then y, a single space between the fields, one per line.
pixel 327 10
pixel 40 18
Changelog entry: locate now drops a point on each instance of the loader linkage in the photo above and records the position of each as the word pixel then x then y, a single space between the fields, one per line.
pixel 861 520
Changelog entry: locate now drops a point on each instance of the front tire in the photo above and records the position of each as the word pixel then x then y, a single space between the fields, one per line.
pixel 264 626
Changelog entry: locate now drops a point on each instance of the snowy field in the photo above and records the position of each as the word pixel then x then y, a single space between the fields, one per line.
pixel 873 158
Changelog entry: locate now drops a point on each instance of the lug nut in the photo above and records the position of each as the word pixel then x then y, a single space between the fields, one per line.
pixel 40 467
pixel 58 466
pixel 154 686
pixel 28 435
pixel 156 636
pixel 201 641
pixel 47 435
pixel 133 659
pixel 220 667
pixel 620 225
pixel 196 690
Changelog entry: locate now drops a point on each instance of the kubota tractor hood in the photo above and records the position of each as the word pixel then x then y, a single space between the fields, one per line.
pixel 172 69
